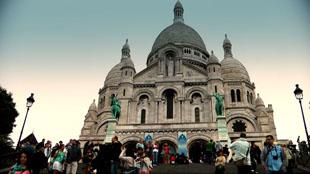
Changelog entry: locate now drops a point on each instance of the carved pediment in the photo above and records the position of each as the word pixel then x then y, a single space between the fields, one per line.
pixel 149 74
pixel 190 72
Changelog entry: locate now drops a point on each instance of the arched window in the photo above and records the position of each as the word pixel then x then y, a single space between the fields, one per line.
pixel 248 96
pixel 215 89
pixel 124 92
pixel 103 101
pixel 238 95
pixel 239 126
pixel 196 98
pixel 197 115
pixel 142 116
pixel 143 97
pixel 169 95
pixel 213 69
pixel 125 73
pixel 130 73
pixel 251 98
pixel 232 95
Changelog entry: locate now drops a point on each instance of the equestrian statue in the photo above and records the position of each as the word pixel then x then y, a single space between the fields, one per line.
pixel 115 107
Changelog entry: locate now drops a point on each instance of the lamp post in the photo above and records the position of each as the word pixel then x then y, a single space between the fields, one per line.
pixel 29 103
pixel 299 97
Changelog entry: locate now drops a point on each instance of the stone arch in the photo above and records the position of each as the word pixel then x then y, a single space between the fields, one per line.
pixel 196 149
pixel 167 138
pixel 245 117
pixel 193 90
pixel 172 143
pixel 178 92
pixel 102 123
pixel 130 138
pixel 170 47
pixel 197 137
pixel 147 92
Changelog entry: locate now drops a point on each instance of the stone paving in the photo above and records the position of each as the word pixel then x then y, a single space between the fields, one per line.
pixel 201 169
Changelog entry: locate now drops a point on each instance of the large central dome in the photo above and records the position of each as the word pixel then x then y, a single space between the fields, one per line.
pixel 179 33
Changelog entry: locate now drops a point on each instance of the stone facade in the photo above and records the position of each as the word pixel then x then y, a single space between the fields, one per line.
pixel 174 93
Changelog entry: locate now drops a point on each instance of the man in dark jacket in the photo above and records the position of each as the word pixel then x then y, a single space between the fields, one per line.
pixel 102 161
pixel 115 152
pixel 39 161
pixel 73 157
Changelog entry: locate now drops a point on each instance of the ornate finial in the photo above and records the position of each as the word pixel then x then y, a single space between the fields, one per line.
pixel 126 50
pixel 94 101
pixel 257 95
pixel 212 52
pixel 227 47
pixel 178 12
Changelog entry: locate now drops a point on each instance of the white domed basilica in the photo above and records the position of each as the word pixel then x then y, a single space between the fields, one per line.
pixel 172 100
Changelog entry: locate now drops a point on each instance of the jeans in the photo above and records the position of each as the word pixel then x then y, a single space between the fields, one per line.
pixel 114 166
pixel 155 157
pixel 72 167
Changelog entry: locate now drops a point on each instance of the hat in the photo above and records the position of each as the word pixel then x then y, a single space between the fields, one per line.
pixel 139 145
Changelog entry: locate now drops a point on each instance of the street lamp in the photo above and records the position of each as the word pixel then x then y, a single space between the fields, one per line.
pixel 299 97
pixel 29 103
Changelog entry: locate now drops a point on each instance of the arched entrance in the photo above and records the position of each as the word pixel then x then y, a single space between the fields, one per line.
pixel 171 146
pixel 130 147
pixel 196 150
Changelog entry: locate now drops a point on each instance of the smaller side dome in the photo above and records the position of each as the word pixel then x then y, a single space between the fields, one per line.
pixel 213 59
pixel 93 106
pixel 259 102
pixel 114 76
pixel 232 69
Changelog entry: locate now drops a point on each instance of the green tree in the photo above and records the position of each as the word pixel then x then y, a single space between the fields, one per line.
pixel 8 113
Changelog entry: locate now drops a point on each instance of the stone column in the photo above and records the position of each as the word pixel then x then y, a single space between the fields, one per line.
pixel 110 131
pixel 222 129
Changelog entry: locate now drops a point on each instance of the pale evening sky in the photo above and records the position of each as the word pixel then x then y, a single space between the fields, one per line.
pixel 62 50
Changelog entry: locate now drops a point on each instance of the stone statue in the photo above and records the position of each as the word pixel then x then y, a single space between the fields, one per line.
pixel 170 67
pixel 219 106
pixel 115 107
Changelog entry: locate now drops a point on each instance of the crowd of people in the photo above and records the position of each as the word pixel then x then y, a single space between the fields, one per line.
pixel 42 157
pixel 275 159
pixel 143 156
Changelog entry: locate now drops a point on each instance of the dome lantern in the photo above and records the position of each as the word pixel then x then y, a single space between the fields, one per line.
pixel 227 47
pixel 126 50
pixel 178 12
pixel 213 59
